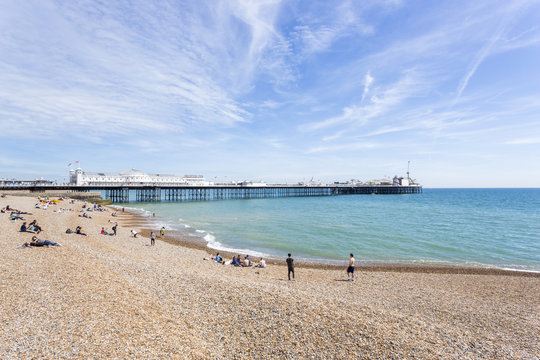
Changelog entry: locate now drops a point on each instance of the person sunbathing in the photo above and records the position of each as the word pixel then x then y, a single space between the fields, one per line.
pixel 38 242
pixel 103 232
pixel 15 217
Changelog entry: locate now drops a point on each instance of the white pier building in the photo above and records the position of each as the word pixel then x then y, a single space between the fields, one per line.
pixel 133 177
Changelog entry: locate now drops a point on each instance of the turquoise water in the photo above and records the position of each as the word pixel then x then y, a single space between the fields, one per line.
pixel 472 227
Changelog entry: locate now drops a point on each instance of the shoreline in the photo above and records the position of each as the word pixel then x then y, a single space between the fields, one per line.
pixel 180 238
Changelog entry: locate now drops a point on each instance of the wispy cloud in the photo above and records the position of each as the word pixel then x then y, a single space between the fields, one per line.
pixel 368 80
pixel 524 141
pixel 94 68
pixel 382 101
pixel 342 147
pixel 480 57
pixel 320 31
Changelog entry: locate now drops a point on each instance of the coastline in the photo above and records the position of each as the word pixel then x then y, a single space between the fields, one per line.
pixel 181 238
pixel 101 296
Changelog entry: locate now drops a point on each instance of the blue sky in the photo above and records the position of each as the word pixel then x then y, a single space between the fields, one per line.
pixel 275 90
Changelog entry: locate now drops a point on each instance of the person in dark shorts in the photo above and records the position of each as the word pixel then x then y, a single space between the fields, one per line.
pixel 350 269
pixel 152 239
pixel 290 266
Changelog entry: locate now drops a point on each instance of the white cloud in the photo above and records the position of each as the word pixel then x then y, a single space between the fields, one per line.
pixel 383 101
pixel 319 31
pixel 342 147
pixel 480 57
pixel 157 69
pixel 524 141
pixel 368 80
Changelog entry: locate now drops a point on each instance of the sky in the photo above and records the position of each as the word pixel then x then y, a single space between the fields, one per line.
pixel 279 91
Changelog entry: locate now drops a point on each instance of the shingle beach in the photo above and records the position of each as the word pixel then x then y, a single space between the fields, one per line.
pixel 116 297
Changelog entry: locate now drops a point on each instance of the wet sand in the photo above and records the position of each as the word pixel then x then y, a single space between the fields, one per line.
pixel 117 297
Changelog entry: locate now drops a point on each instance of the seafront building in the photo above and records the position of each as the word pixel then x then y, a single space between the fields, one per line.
pixel 133 177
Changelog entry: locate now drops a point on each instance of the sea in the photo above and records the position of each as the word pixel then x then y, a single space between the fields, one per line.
pixel 487 228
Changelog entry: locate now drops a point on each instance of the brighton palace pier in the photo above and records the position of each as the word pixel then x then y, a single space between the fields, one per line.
pixel 136 185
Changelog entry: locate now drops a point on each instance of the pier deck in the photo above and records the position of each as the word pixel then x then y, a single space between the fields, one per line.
pixel 123 193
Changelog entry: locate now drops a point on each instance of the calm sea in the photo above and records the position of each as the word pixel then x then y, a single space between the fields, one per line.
pixel 471 227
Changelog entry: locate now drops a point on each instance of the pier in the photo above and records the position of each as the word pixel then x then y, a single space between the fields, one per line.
pixel 124 193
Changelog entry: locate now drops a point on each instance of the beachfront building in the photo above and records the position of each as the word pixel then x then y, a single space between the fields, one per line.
pixel 134 177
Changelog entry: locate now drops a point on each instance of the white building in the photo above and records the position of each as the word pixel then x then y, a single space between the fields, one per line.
pixel 133 177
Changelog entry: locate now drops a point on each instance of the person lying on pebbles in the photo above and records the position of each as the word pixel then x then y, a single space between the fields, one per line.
pixel 16 217
pixel 39 243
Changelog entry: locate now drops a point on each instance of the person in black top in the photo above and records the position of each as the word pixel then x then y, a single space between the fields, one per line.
pixel 290 266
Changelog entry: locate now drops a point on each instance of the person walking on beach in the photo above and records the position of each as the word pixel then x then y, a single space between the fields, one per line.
pixel 162 232
pixel 152 239
pixel 290 266
pixel 350 269
pixel 114 229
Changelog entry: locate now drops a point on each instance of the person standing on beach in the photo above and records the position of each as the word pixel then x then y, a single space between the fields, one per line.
pixel 290 266
pixel 162 232
pixel 152 239
pixel 350 269
pixel 114 229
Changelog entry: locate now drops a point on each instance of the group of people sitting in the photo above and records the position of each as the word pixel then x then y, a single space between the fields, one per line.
pixel 32 227
pixel 238 261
